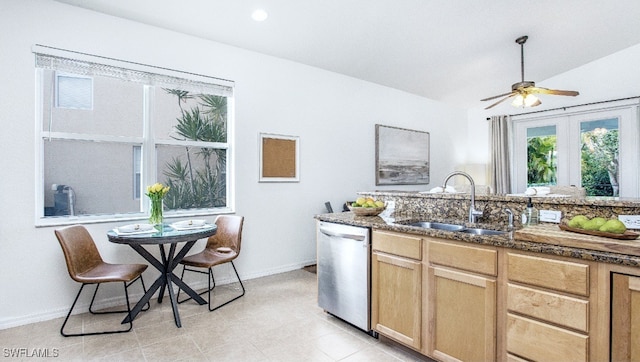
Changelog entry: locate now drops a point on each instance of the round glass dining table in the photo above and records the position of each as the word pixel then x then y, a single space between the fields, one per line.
pixel 169 236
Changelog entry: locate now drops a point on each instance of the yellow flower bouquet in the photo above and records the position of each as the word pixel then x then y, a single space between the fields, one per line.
pixel 156 193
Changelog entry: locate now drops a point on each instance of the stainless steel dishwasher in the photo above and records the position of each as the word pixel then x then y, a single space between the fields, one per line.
pixel 343 267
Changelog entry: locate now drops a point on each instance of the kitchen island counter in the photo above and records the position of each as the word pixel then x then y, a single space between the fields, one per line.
pixel 508 240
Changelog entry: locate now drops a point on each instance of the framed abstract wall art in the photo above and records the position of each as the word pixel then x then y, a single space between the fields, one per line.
pixel 402 156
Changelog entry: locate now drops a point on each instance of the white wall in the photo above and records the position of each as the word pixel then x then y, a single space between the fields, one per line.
pixel 613 77
pixel 333 115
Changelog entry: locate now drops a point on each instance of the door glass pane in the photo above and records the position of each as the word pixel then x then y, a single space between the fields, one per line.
pixel 599 157
pixel 542 165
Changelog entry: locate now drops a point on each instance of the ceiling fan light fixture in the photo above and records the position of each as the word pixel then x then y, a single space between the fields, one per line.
pixel 523 91
pixel 518 101
pixel 529 100
pixel 259 15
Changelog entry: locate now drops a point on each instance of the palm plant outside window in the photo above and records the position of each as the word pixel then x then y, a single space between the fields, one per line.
pixel 599 157
pixel 197 176
pixel 142 127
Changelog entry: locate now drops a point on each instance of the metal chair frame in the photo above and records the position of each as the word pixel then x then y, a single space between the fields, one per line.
pixel 211 280
pixel 126 294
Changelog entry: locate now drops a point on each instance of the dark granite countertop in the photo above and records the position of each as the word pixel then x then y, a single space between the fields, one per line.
pixel 547 199
pixel 507 240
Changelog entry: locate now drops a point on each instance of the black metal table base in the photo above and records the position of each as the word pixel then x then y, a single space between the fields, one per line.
pixel 165 266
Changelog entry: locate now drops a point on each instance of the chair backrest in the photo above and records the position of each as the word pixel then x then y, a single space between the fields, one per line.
pixel 80 251
pixel 229 233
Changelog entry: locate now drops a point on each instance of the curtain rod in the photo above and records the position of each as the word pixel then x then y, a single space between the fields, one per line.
pixel 565 108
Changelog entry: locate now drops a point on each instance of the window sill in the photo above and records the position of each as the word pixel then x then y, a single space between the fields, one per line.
pixel 100 219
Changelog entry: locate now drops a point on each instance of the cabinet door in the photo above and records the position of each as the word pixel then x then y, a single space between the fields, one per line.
pixel 625 318
pixel 462 314
pixel 396 296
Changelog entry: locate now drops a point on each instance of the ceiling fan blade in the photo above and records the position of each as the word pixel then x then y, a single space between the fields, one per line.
pixel 511 94
pixel 556 92
pixel 525 88
pixel 498 96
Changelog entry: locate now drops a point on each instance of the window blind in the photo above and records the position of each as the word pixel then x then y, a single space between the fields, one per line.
pixel 93 65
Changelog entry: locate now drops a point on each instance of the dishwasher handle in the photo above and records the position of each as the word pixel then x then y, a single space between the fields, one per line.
pixel 329 232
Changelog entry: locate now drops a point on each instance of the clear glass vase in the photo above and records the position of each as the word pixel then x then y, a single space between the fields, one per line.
pixel 155 212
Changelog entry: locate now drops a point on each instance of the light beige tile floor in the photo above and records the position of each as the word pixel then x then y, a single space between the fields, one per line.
pixel 278 319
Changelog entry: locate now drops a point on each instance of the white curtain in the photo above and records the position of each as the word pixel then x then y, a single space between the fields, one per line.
pixel 500 164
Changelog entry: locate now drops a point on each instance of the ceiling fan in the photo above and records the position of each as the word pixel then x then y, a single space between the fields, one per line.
pixel 524 91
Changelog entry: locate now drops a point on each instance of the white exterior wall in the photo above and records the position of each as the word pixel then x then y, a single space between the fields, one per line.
pixel 333 115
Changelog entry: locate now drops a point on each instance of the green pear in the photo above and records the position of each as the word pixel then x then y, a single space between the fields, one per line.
pixel 613 226
pixel 595 223
pixel 578 221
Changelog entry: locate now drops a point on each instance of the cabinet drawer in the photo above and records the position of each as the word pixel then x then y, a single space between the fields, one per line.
pixel 548 273
pixel 469 258
pixel 405 245
pixel 538 341
pixel 559 309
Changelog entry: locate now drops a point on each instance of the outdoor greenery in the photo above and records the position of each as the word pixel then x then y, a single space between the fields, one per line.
pixel 600 162
pixel 541 161
pixel 197 179
pixel 599 158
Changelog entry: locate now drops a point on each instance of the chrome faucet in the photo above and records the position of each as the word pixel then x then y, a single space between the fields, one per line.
pixel 510 227
pixel 473 213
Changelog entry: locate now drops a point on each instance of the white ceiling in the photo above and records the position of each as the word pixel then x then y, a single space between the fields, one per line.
pixel 455 51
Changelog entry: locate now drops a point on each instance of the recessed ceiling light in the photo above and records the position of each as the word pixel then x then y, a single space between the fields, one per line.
pixel 259 15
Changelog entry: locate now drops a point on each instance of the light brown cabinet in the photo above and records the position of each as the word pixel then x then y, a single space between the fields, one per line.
pixel 625 317
pixel 461 302
pixel 453 300
pixel 548 308
pixel 396 287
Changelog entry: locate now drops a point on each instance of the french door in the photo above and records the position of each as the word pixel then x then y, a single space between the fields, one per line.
pixel 594 149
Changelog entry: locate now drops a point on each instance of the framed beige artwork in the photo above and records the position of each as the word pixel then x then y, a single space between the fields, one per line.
pixel 279 158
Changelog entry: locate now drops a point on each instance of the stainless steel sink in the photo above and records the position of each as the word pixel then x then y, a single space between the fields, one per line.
pixel 437 225
pixel 478 231
pixel 454 227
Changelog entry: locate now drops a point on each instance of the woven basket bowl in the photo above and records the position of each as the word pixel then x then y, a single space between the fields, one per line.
pixel 366 211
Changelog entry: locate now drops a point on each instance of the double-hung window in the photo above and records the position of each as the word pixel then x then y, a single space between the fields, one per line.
pixel 108 128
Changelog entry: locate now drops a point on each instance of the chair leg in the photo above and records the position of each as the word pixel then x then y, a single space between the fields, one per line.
pixel 214 283
pixel 126 286
pixel 211 285
pixel 126 293
pixel 185 268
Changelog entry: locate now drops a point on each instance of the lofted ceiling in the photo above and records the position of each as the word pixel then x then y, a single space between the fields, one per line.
pixel 454 51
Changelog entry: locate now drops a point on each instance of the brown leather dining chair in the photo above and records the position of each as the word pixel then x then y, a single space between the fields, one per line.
pixel 222 247
pixel 85 265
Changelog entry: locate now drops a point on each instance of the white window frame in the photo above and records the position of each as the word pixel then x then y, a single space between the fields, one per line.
pixel 165 78
pixel 568 136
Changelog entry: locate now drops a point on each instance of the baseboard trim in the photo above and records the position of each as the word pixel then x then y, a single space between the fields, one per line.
pixel 120 300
